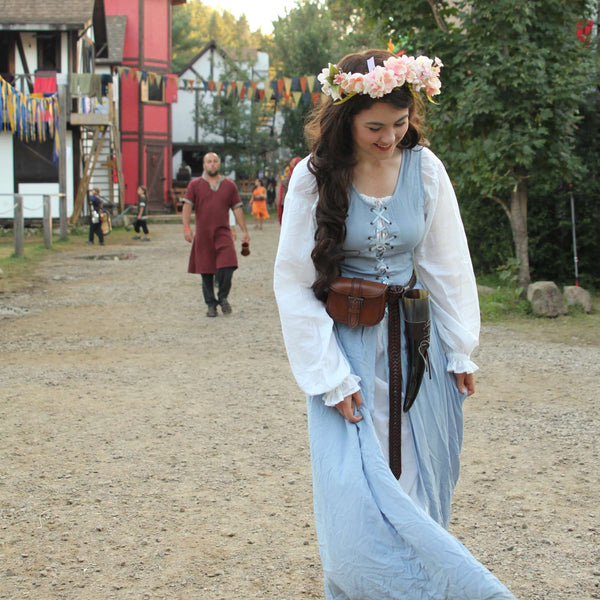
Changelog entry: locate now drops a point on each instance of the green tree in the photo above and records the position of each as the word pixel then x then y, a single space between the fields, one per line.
pixel 194 25
pixel 314 33
pixel 304 41
pixel 240 127
pixel 515 79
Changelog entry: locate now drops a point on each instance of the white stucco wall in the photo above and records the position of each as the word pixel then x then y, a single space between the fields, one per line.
pixel 209 66
pixel 6 175
pixel 33 207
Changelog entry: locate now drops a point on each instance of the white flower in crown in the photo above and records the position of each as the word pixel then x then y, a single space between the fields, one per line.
pixel 421 73
pixel 326 79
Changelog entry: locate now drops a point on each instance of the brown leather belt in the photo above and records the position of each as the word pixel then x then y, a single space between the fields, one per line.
pixel 394 295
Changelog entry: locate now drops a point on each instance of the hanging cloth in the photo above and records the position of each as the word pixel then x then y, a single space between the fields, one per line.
pixel 45 82
pixel 85 84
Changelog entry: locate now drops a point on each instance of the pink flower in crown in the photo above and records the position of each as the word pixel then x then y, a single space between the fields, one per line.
pixel 433 87
pixel 426 74
pixel 338 78
pixel 379 82
pixel 355 82
pixel 399 65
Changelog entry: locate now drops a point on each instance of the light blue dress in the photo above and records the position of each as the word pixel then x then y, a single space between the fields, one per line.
pixel 375 541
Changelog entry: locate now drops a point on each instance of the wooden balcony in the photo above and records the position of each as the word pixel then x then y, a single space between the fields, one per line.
pixel 89 119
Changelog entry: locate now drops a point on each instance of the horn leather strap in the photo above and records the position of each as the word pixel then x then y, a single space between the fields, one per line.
pixel 394 295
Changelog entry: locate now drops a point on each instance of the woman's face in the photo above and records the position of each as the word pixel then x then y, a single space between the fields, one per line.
pixel 377 131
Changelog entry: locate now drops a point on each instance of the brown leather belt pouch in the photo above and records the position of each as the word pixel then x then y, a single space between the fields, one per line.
pixel 356 302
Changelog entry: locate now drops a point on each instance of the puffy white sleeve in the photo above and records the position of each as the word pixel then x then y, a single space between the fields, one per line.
pixel 317 362
pixel 443 264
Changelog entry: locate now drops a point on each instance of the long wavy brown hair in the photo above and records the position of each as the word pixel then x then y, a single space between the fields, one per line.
pixel 329 135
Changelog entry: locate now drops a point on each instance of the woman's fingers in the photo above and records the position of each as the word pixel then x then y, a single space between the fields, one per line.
pixel 348 406
pixel 465 383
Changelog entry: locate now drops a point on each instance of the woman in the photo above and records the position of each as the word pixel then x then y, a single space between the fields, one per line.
pixel 259 204
pixel 371 202
pixel 142 214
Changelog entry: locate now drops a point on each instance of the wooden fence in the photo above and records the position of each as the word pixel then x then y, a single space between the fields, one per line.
pixel 19 220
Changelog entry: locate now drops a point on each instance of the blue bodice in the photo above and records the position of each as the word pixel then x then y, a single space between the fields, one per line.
pixel 380 238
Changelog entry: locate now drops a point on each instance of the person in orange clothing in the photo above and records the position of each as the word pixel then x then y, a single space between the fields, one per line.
pixel 259 204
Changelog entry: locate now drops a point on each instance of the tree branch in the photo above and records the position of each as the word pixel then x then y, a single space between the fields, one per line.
pixel 504 206
pixel 436 15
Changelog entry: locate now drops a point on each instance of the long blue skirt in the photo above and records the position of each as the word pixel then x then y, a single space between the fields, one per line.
pixel 375 541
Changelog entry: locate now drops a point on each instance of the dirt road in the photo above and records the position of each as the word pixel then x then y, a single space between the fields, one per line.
pixel 148 452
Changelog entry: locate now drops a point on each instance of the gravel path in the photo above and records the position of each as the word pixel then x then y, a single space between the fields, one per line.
pixel 147 452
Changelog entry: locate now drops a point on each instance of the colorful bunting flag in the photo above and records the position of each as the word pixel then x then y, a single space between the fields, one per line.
pixel 32 117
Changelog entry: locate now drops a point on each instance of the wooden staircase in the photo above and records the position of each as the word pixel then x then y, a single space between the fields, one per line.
pixel 101 155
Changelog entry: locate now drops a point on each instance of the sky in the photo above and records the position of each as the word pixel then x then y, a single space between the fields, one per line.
pixel 259 13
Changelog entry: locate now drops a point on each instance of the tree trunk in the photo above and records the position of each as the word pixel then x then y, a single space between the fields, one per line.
pixel 518 223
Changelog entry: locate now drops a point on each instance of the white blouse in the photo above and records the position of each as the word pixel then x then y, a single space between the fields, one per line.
pixel 442 263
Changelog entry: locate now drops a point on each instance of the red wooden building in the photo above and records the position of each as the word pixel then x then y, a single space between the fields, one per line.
pixel 145 97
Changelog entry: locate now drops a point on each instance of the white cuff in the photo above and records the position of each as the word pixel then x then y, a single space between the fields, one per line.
pixel 347 387
pixel 461 363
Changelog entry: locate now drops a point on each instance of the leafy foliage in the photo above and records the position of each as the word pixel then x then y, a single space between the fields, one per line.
pixel 292 134
pixel 241 127
pixel 517 82
pixel 194 25
pixel 312 34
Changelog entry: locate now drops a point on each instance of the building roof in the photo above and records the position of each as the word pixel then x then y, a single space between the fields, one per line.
pixel 212 45
pixel 231 55
pixel 115 29
pixel 243 54
pixel 54 15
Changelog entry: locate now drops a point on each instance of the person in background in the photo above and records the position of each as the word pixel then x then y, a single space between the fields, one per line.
pixel 213 254
pixel 259 204
pixel 283 186
pixel 184 173
pixel 96 205
pixel 142 214
pixel 271 192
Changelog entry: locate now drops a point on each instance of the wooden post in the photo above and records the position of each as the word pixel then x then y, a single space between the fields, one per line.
pixel 62 212
pixel 62 157
pixel 19 226
pixel 47 222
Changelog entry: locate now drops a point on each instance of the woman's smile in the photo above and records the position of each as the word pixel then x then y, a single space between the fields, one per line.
pixel 378 130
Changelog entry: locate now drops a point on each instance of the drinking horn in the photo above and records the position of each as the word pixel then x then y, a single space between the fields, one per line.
pixel 417 323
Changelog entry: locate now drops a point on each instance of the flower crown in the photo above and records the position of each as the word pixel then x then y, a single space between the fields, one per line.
pixel 420 73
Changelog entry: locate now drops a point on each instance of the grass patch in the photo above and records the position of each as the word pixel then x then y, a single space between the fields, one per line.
pixel 503 303
pixel 20 273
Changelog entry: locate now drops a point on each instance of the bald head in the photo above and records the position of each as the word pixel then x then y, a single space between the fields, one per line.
pixel 211 164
